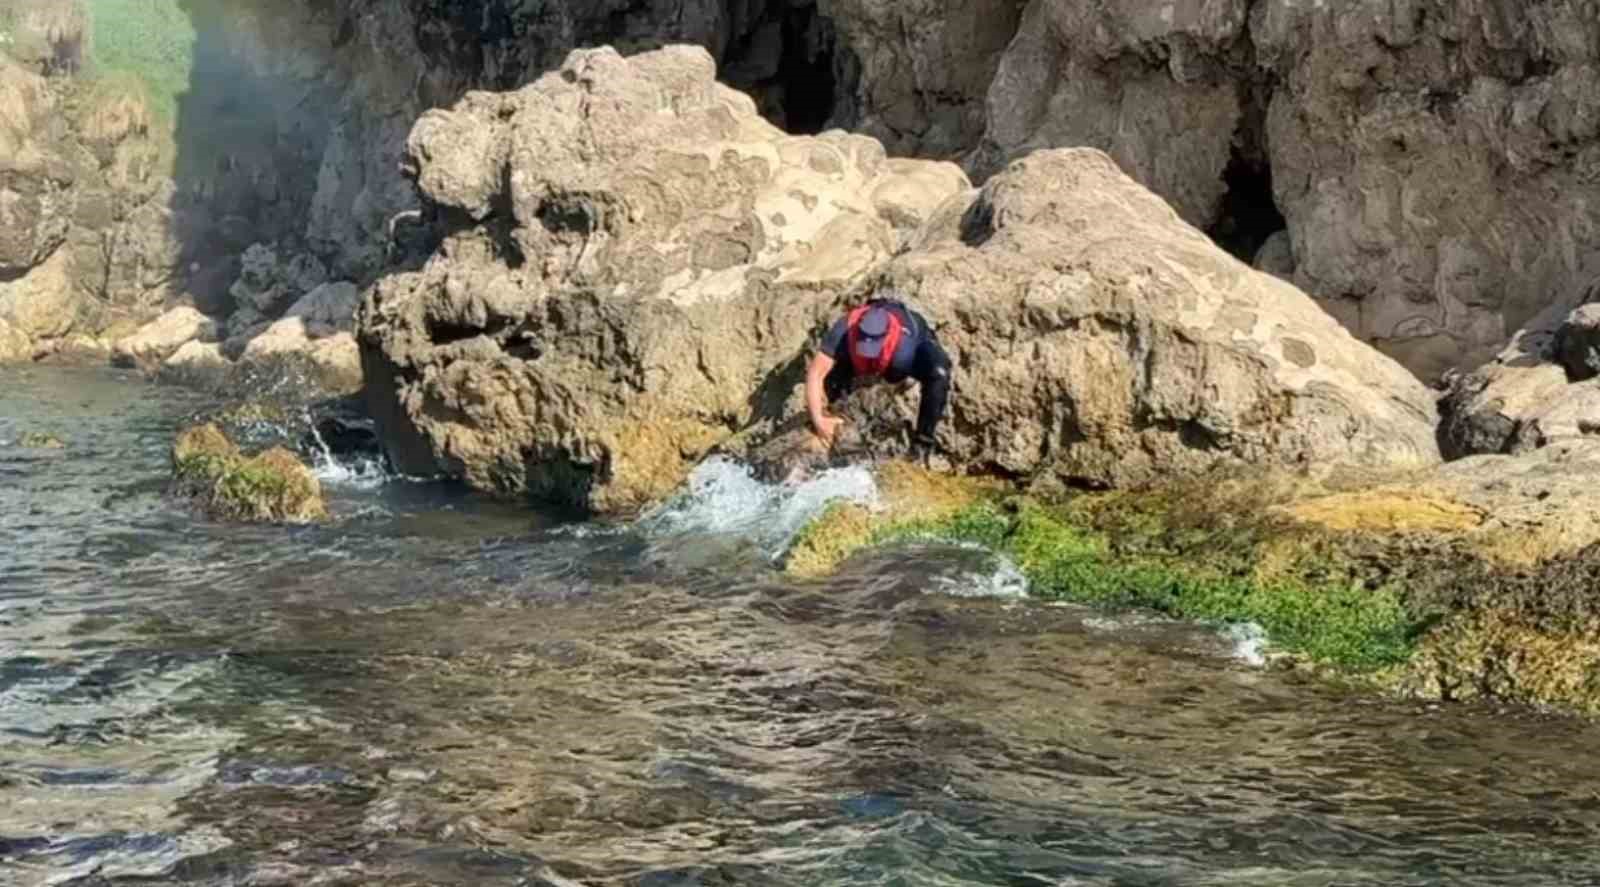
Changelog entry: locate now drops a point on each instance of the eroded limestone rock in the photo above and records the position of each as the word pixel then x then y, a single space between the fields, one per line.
pixel 1432 161
pixel 647 283
pixel 1156 86
pixel 661 256
pixel 1100 340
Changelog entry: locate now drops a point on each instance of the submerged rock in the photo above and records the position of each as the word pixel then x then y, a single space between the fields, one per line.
pixel 618 298
pixel 40 440
pixel 273 485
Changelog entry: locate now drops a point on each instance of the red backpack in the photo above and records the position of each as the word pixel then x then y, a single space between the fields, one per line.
pixel 879 365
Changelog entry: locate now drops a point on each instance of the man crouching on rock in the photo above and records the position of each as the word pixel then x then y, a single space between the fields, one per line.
pixel 881 340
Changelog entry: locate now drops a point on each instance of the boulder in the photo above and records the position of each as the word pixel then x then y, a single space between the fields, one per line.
pixel 15 346
pixel 336 359
pixel 160 338
pixel 41 304
pixel 1577 343
pixel 196 363
pixel 600 325
pixel 643 284
pixel 1100 340
pixel 272 486
pixel 1525 398
pixel 647 284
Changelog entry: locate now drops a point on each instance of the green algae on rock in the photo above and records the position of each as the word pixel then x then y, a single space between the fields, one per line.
pixel 1310 605
pixel 1413 593
pixel 39 440
pixel 273 486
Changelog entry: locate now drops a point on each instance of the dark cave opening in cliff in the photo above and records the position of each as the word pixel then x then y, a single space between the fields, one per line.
pixel 1248 214
pixel 786 62
pixel 805 72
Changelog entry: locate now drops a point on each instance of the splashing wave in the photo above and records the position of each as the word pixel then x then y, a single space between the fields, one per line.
pixel 724 497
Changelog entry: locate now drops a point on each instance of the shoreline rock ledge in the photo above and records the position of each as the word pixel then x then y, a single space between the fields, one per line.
pixel 631 267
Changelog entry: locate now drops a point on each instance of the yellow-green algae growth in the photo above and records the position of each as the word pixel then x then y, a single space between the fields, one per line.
pixel 1378 586
pixel 273 486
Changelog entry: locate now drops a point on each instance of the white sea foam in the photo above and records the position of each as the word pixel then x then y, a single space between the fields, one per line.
pixel 1005 580
pixel 723 497
pixel 362 473
pixel 1249 643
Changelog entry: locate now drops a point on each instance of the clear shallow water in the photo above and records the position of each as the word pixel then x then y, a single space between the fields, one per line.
pixel 438 690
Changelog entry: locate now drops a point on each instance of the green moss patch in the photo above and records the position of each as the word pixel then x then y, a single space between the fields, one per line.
pixel 273 486
pixel 1313 607
pixel 148 41
pixel 39 440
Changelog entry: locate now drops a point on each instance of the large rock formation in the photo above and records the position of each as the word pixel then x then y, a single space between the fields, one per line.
pixel 635 262
pixel 1434 162
pixel 914 75
pixel 1102 340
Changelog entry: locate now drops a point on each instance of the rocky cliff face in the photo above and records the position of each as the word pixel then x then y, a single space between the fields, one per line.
pixel 1420 168
pixel 1429 160
pixel 85 230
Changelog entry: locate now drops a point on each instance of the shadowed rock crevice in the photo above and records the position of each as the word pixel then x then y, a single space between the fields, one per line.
pixel 1247 216
pixel 787 62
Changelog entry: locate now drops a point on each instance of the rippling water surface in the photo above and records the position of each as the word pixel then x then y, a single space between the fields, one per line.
pixel 440 690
